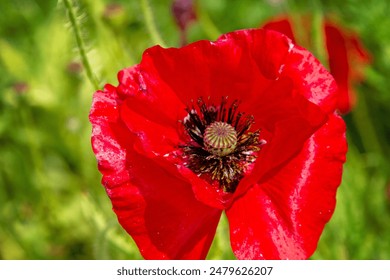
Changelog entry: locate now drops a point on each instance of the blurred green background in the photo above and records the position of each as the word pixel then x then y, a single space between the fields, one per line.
pixel 52 205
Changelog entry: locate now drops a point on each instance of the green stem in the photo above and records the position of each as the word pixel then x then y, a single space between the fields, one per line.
pixel 80 44
pixel 150 24
pixel 318 35
pixel 207 24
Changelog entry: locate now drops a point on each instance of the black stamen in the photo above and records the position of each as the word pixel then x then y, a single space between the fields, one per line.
pixel 232 112
pixel 226 165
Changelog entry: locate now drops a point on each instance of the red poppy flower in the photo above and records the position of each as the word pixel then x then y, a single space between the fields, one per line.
pixel 346 56
pixel 245 124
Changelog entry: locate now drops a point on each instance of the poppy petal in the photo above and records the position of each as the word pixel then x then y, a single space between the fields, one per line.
pixel 311 79
pixel 162 215
pixel 249 56
pixel 339 66
pixel 290 120
pixel 284 217
pixel 153 139
pixel 281 25
pixel 143 91
pixel 111 157
pixel 347 59
pixel 195 70
pixel 157 208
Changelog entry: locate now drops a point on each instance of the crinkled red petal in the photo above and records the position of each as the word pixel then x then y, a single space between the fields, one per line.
pixel 161 213
pixel 286 114
pixel 267 50
pixel 311 79
pixel 229 66
pixel 149 96
pixel 157 208
pixel 288 119
pixel 111 157
pixel 309 76
pixel 153 139
pixel 203 69
pixel 283 218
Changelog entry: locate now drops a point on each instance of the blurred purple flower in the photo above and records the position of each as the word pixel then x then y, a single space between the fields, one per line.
pixel 184 13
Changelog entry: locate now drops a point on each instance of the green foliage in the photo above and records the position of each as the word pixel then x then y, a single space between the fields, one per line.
pixel 52 205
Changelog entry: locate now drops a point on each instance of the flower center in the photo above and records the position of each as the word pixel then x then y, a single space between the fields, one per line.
pixel 221 147
pixel 220 138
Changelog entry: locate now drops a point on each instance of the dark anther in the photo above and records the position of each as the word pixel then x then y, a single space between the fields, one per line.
pixel 221 145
